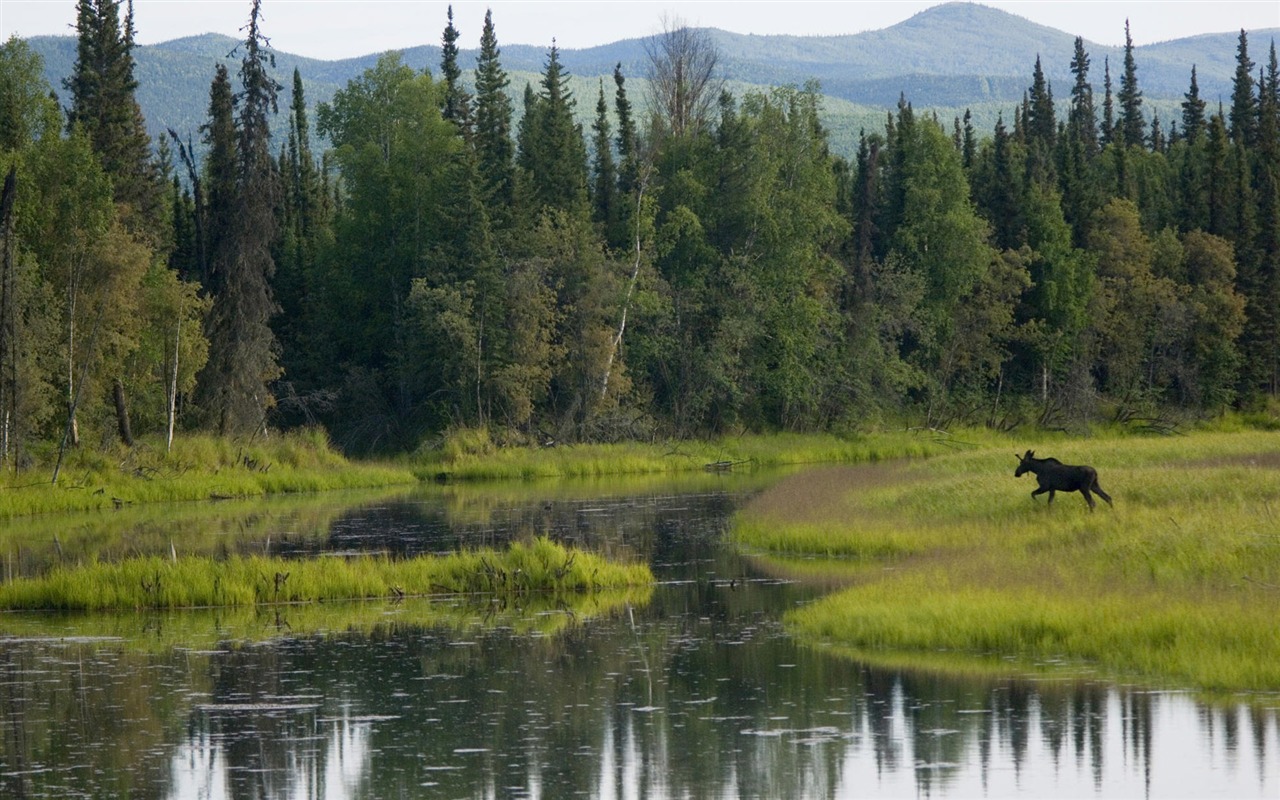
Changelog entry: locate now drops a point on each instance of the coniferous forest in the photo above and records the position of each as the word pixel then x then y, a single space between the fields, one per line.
pixel 422 255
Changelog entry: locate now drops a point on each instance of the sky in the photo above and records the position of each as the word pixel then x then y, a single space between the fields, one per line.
pixel 332 29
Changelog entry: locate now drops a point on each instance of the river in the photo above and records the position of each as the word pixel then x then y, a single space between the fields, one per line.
pixel 694 690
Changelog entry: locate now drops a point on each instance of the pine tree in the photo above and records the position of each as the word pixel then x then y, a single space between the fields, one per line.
pixel 1130 97
pixel 1244 106
pixel 494 149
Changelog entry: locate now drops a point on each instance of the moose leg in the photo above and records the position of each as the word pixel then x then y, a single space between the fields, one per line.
pixel 1098 490
pixel 1088 498
pixel 1039 491
pixel 1052 492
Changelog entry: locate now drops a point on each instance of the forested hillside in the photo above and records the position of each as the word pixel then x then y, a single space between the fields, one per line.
pixel 421 254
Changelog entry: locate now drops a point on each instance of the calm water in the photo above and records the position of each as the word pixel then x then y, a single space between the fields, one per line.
pixel 695 693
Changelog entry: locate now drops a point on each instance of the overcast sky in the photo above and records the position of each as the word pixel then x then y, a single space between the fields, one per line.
pixel 340 28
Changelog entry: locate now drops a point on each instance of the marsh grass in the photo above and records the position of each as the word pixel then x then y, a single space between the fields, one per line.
pixel 197 468
pixel 482 461
pixel 1178 583
pixel 540 566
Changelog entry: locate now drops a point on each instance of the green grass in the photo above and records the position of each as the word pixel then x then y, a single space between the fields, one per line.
pixel 197 468
pixel 1178 584
pixel 475 457
pixel 540 566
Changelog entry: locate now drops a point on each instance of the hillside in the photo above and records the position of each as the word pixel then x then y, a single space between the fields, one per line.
pixel 947 58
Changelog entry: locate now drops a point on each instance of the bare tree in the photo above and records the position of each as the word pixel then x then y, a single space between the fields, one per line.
pixel 684 83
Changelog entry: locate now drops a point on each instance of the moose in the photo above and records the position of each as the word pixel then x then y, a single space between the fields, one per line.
pixel 1053 476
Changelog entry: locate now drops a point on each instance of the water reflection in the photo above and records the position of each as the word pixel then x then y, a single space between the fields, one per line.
pixel 696 693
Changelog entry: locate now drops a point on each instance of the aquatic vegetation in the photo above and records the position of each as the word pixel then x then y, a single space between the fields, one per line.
pixel 1178 583
pixel 197 581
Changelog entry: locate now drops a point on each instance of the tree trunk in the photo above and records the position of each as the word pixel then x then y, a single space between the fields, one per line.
pixel 173 386
pixel 122 415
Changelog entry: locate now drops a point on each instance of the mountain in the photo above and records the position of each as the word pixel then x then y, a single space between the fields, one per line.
pixel 947 58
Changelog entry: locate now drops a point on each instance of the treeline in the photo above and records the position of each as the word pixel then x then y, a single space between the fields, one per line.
pixel 693 263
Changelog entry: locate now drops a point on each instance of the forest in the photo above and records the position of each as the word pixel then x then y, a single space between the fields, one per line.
pixel 424 255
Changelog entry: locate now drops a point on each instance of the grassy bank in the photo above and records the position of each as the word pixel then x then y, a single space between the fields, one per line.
pixel 194 582
pixel 472 456
pixel 196 468
pixel 1178 584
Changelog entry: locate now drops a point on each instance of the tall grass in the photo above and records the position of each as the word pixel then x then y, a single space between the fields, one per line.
pixel 194 582
pixel 197 468
pixel 476 458
pixel 1179 582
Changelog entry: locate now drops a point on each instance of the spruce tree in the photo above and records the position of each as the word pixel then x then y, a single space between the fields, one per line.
pixel 493 112
pixel 1081 121
pixel 219 184
pixel 1130 97
pixel 552 154
pixel 1193 111
pixel 1244 106
pixel 242 347
pixel 456 106
pixel 628 145
pixel 103 104
pixel 1107 132
pixel 604 185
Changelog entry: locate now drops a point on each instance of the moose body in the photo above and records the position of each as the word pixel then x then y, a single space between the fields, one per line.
pixel 1053 476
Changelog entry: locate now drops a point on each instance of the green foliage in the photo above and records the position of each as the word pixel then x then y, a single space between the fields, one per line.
pixel 704 265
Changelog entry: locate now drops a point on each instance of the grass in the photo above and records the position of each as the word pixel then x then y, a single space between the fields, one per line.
pixel 1178 584
pixel 540 566
pixel 475 457
pixel 197 468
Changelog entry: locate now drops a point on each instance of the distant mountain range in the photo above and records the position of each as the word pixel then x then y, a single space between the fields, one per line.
pixel 947 58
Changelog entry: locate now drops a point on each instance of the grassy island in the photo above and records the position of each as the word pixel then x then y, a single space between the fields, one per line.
pixel 538 567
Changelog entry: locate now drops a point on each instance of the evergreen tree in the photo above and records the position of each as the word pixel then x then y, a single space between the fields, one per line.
pixel 1081 120
pixel 1193 124
pixel 1041 128
pixel 552 154
pixel 243 358
pixel 219 135
pixel 1267 243
pixel 494 149
pixel 1130 97
pixel 1244 106
pixel 604 187
pixel 1107 134
pixel 627 141
pixel 456 102
pixel 103 104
